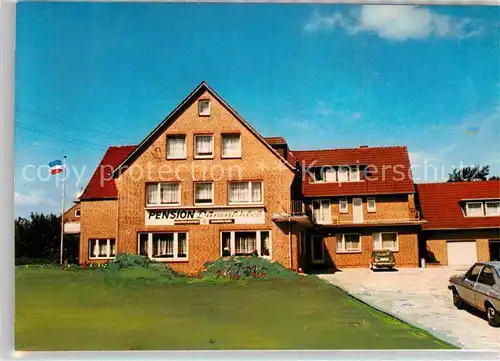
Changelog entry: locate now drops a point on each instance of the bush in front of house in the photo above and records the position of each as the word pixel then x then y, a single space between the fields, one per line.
pixel 125 260
pixel 249 267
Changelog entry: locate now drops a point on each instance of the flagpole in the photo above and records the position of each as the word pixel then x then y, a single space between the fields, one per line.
pixel 62 210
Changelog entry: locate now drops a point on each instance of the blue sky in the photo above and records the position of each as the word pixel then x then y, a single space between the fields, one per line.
pixel 90 75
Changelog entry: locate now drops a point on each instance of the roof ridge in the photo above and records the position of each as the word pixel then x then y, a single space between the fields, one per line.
pixel 330 149
pixel 464 182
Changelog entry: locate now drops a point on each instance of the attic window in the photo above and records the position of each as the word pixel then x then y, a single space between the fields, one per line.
pixel 204 107
pixel 77 213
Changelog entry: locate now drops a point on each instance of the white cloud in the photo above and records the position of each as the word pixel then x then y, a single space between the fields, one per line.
pixel 34 198
pixel 396 22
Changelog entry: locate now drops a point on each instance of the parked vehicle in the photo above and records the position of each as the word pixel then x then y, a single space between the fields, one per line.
pixel 480 288
pixel 382 259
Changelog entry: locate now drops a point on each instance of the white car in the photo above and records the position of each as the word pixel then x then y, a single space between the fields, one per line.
pixel 480 288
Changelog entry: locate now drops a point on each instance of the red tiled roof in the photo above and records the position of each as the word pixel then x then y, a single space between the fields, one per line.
pixel 441 204
pixel 101 186
pixel 392 164
pixel 275 140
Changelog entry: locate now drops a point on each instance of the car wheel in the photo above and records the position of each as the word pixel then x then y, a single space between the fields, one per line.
pixel 457 300
pixel 493 316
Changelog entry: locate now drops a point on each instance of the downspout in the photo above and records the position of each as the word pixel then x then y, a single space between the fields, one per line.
pixel 290 240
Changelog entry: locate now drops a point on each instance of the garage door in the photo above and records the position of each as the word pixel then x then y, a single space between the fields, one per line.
pixel 461 253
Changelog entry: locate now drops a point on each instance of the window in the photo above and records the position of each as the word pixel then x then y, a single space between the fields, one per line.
pixel 204 193
pixel 163 193
pixel 231 146
pixel 474 272
pixel 348 242
pixel 324 174
pixel 317 249
pixel 385 241
pixel 77 213
pixel 102 248
pixel 370 204
pixel 204 146
pixel 164 246
pixel 204 107
pixel 343 206
pixel 493 208
pixel 241 243
pixel 474 209
pixel 245 192
pixel 321 211
pixel 343 174
pixel 176 147
pixel 354 174
pixel 486 276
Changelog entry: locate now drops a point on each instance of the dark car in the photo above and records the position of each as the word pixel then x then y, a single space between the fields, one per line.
pixel 382 259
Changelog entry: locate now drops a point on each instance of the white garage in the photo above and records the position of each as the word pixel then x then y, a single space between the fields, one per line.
pixel 461 253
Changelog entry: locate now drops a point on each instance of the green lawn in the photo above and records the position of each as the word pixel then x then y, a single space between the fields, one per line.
pixel 63 310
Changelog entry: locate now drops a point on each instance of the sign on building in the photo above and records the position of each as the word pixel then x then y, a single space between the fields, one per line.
pixel 167 217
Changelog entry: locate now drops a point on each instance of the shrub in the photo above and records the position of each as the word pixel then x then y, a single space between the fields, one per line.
pixel 124 260
pixel 251 267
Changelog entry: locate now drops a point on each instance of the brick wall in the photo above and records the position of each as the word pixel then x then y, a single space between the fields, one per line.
pixel 69 216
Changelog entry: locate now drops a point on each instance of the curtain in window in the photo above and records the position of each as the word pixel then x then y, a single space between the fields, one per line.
pixel 163 245
pixel 203 192
pixel 474 209
pixel 94 245
pixel 377 241
pixel 103 248
pixel 325 212
pixel 245 242
pixel 152 194
pixel 492 208
pixel 169 193
pixel 175 147
pixel 388 240
pixel 238 192
pixel 256 192
pixel 330 174
pixel 264 243
pixel 181 245
pixel 113 248
pixel 203 144
pixel 343 205
pixel 355 173
pixel 143 244
pixel 231 146
pixel 343 174
pixel 352 242
pixel 339 242
pixel 226 244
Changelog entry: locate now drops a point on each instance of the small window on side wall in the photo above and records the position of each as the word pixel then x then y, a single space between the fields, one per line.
pixel 371 205
pixel 343 206
pixel 204 107
pixel 77 213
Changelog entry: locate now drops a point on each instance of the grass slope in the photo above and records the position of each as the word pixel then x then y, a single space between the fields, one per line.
pixel 61 310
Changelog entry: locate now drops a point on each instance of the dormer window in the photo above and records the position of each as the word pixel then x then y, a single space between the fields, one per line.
pixel 482 208
pixel 474 209
pixel 204 107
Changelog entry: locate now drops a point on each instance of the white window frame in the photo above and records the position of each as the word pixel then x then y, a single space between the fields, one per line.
pixel 230 156
pixel 249 192
pixel 354 170
pixel 185 146
pixel 344 250
pixel 176 247
pixel 341 208
pixel 159 203
pixel 202 101
pixel 322 260
pixel 376 248
pixel 486 209
pixel 371 209
pixel 194 193
pixel 78 213
pixel 467 209
pixel 108 245
pixel 195 150
pixel 347 169
pixel 328 216
pixel 232 241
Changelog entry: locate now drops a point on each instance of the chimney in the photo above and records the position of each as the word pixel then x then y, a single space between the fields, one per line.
pixel 363 146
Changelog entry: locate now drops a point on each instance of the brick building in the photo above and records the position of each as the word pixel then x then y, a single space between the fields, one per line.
pixel 463 221
pixel 205 184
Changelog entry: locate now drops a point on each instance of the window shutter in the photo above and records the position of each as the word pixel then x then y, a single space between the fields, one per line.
pixel 339 245
pixel 377 241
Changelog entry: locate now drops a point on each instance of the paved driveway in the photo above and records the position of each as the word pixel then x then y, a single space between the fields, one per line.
pixel 420 297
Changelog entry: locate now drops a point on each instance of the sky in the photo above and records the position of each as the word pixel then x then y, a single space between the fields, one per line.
pixel 91 75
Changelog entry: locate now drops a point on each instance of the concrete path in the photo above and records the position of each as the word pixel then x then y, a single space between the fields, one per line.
pixel 420 297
